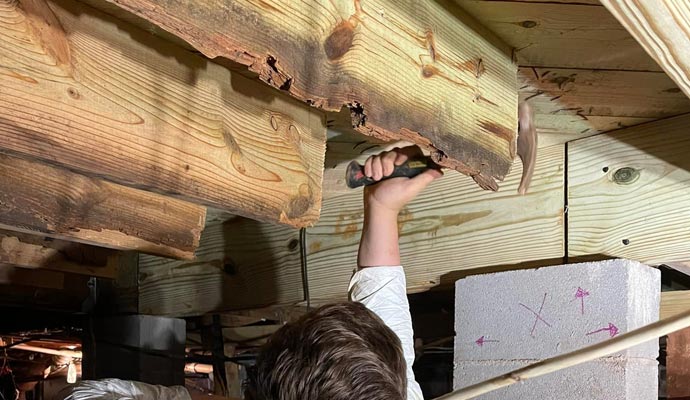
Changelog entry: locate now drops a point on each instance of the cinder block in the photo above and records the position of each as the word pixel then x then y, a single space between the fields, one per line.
pixel 511 319
pixel 606 379
pixel 540 313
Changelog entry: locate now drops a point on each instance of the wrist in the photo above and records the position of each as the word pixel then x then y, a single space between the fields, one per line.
pixel 379 213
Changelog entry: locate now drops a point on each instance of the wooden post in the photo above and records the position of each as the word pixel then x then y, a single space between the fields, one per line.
pixel 678 365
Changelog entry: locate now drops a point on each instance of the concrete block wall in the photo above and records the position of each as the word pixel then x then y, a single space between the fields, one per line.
pixel 508 320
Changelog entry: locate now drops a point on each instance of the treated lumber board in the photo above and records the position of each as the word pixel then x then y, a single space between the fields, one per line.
pixel 674 302
pixel 450 230
pixel 662 27
pixel 418 70
pixel 562 35
pixel 36 252
pixel 102 97
pixel 573 103
pixel 240 264
pixel 627 193
pixel 42 199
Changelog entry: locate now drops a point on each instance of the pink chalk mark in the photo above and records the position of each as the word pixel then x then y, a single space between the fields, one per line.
pixel 611 329
pixel 581 294
pixel 538 315
pixel 480 342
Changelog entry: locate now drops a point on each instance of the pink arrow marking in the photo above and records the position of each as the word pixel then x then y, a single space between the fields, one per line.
pixel 612 329
pixel 581 294
pixel 538 315
pixel 480 342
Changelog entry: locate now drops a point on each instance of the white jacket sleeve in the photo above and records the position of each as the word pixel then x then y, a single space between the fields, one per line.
pixel 383 290
pixel 115 389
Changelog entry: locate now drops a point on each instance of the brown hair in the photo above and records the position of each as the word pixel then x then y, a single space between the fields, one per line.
pixel 340 351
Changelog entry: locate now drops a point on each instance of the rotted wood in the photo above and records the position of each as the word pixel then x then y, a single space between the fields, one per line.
pixel 41 199
pixel 37 252
pixel 415 70
pixel 81 89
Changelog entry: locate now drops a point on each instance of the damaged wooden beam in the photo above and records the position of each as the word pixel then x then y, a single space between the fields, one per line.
pixel 661 27
pixel 41 199
pixel 104 98
pixel 417 70
pixel 37 252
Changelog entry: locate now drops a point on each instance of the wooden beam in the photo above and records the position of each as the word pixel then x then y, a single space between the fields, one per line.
pixel 41 199
pixel 418 70
pixel 673 303
pixel 572 103
pixel 102 97
pixel 240 264
pixel 36 252
pixel 553 35
pixel 450 231
pixel 661 27
pixel 627 193
pixel 10 275
pixel 678 365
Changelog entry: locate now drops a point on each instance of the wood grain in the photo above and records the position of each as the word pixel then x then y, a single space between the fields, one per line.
pixel 673 303
pixel 417 70
pixel 41 199
pixel 549 34
pixel 240 263
pixel 574 103
pixel 662 27
pixel 627 193
pixel 450 230
pixel 83 90
pixel 36 252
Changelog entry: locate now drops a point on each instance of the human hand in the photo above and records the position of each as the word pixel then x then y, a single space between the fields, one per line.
pixel 394 193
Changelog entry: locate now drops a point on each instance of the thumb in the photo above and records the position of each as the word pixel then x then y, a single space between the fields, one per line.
pixel 421 181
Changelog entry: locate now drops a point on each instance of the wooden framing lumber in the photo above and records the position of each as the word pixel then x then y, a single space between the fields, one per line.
pixel 553 35
pixel 240 264
pixel 673 303
pixel 627 193
pixel 41 199
pixel 449 231
pixel 662 27
pixel 574 103
pixel 99 96
pixel 36 252
pixel 418 70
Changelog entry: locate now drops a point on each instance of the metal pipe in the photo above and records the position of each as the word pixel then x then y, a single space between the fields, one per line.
pixel 44 350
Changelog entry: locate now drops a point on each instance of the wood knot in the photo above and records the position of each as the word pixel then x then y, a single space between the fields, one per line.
pixel 339 41
pixel 529 24
pixel 73 93
pixel 626 176
pixel 293 244
pixel 429 70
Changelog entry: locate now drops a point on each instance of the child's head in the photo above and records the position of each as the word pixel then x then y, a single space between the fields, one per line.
pixel 337 352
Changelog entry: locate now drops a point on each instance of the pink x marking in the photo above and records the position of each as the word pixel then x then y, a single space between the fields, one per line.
pixel 581 294
pixel 538 315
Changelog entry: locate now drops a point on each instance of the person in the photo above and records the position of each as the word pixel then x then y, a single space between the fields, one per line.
pixel 361 349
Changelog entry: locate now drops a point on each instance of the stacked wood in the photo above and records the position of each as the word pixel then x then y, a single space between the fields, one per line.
pixel 416 70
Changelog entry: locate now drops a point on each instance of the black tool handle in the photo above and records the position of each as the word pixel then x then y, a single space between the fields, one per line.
pixel 355 172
